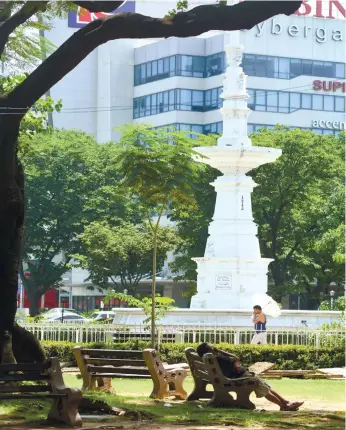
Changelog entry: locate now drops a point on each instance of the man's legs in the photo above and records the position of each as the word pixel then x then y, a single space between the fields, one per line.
pixel 264 390
pixel 259 338
pixel 272 398
pixel 284 404
pixel 255 340
pixel 263 337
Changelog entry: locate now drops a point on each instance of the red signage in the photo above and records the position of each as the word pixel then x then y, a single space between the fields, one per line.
pixel 83 17
pixel 333 86
pixel 330 9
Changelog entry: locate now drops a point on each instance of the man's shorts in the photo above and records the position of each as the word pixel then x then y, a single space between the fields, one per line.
pixel 259 338
pixel 262 388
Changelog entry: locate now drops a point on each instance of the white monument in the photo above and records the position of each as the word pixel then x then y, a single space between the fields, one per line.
pixel 232 269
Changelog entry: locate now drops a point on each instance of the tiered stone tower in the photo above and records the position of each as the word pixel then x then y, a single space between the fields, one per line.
pixel 232 269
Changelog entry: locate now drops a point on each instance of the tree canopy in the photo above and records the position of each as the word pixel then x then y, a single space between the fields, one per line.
pixel 71 181
pixel 120 257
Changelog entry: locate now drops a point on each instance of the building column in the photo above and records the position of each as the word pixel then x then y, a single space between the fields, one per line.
pixel 168 291
pixel 103 88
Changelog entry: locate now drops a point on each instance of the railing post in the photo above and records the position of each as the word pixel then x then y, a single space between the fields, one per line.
pixel 236 337
pixel 318 340
pixel 179 337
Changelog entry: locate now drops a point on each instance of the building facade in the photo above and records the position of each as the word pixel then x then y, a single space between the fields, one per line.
pixel 295 67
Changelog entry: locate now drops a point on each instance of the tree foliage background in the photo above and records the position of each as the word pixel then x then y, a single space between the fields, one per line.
pixel 71 181
pixel 298 206
pixel 120 257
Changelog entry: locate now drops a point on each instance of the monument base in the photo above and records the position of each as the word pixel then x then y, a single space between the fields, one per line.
pixel 235 318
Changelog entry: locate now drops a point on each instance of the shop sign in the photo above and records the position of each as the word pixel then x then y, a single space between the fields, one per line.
pixel 331 125
pixel 83 17
pixel 334 86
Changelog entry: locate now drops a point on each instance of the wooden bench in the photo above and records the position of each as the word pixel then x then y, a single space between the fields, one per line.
pixel 48 384
pixel 168 381
pixel 99 366
pixel 206 371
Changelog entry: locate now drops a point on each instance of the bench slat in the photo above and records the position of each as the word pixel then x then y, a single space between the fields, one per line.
pixel 25 377
pixel 108 353
pixel 126 370
pixel 24 388
pixel 114 361
pixel 120 375
pixel 24 367
pixel 31 396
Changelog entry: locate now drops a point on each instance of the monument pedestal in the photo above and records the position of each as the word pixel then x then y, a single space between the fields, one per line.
pixel 229 283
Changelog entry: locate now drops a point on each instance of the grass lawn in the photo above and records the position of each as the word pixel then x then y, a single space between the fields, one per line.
pixel 316 390
pixel 133 394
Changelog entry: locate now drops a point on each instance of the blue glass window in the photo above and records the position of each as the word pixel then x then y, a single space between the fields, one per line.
pixel 259 100
pixel 215 64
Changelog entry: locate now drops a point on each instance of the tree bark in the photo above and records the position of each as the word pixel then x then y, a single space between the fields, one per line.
pixel 26 347
pixel 34 298
pixel 153 294
pixel 11 226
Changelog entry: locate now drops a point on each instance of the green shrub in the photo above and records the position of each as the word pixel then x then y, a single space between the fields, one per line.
pixel 288 357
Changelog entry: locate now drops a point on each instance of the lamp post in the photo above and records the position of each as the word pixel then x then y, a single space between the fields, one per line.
pixel 332 293
pixel 70 290
pixel 111 301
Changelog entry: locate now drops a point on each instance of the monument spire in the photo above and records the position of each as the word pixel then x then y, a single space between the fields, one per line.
pixel 232 269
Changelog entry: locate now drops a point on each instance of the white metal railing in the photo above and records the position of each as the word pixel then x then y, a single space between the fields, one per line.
pixel 83 333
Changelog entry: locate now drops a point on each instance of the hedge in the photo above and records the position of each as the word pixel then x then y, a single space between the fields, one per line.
pixel 288 357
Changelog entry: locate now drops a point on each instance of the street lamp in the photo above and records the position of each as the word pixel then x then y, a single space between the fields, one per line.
pixel 332 293
pixel 70 290
pixel 111 300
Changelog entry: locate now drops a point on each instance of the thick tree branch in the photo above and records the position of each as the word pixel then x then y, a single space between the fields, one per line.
pixel 29 9
pixel 199 20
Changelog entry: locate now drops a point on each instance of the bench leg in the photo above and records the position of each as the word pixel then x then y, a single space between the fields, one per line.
pixel 222 397
pixel 200 391
pixel 243 399
pixel 160 388
pixel 100 384
pixel 92 383
pixel 176 386
pixel 105 384
pixel 66 409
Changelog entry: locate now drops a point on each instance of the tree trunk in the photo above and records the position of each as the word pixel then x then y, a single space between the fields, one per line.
pixel 34 299
pixel 11 226
pixel 153 295
pixel 26 347
pixel 278 279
